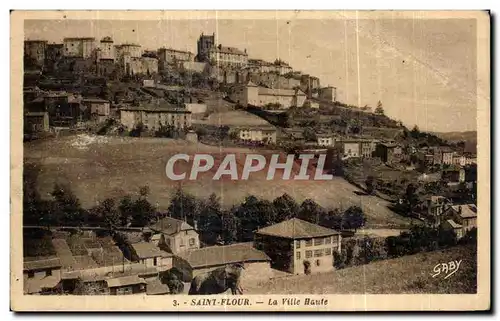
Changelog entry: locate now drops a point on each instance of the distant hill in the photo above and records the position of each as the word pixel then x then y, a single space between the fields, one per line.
pixel 470 136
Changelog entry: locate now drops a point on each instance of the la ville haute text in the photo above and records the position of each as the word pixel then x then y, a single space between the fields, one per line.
pixel 270 302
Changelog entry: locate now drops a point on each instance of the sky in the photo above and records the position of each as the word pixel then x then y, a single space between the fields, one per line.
pixel 422 70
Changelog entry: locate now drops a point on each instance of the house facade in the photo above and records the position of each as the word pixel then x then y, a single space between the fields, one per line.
pixel 167 56
pixel 151 255
pixel 328 93
pixel 325 139
pixel 79 47
pixel 154 116
pixel 254 95
pixel 175 236
pixel 126 285
pixel 299 247
pixel 35 50
pixel 41 274
pixel 36 122
pixel 227 56
pixel 261 134
pixel 463 218
pixel 389 153
pixel 99 109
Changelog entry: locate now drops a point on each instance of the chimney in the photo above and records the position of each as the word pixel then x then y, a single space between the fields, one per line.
pixel 459 209
pixel 245 50
pixel 195 223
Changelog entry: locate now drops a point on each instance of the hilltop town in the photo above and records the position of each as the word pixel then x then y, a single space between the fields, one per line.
pixel 99 217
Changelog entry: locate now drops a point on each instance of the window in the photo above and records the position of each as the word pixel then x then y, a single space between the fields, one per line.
pixel 328 240
pixel 308 254
pixel 298 255
pixel 318 242
pixel 31 274
pixel 318 253
pixel 309 242
pixel 48 273
pixel 182 243
pixel 192 242
pixel 328 251
pixel 155 261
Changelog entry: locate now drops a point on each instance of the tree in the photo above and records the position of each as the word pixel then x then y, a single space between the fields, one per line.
pixel 354 218
pixel 379 110
pixel 230 227
pixel 143 211
pixel 210 224
pixel 411 198
pixel 285 207
pixel 66 208
pixel 183 206
pixel 311 211
pixel 106 212
pixel 253 214
pixel 370 184
pixel 126 210
pixel 415 132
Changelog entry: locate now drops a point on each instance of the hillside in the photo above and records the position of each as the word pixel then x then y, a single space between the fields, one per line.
pixel 113 167
pixel 410 274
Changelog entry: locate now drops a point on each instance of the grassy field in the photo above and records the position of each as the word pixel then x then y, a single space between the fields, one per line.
pixel 410 274
pixel 114 166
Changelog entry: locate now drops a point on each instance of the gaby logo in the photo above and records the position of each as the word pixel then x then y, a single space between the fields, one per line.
pixel 237 166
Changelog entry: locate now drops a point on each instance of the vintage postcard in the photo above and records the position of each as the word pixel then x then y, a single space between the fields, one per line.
pixel 250 161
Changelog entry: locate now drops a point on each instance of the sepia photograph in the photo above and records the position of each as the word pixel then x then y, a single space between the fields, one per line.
pixel 242 160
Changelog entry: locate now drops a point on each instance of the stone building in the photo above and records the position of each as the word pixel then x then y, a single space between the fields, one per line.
pixel 253 95
pixel 41 274
pixel 460 218
pixel 328 93
pixel 153 116
pixel 35 51
pixel 54 52
pixel 79 47
pixel 256 263
pixel 277 67
pixel 139 65
pixel 389 153
pixel 204 44
pixel 227 56
pixel 168 56
pixel 257 133
pixel 150 255
pixel 99 109
pixel 35 122
pixel 299 247
pixel 107 49
pixel 134 50
pixel 174 236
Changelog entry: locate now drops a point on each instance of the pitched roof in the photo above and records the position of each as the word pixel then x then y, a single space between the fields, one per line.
pixel 37 285
pixel 170 226
pixel 147 250
pixel 221 255
pixel 229 50
pixel 279 92
pixel 453 224
pixel 125 280
pixel 296 229
pixel 468 210
pixel 41 264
